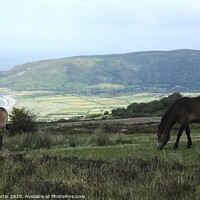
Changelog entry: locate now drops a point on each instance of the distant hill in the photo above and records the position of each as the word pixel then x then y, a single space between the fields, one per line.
pixel 131 72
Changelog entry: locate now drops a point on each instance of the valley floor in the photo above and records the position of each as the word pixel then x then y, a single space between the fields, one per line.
pixel 52 106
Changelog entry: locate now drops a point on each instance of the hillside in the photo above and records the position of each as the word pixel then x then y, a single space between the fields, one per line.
pixel 131 72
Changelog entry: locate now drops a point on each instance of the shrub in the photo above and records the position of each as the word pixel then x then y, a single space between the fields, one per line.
pixel 73 141
pixel 22 121
pixel 43 140
pixel 100 138
pixel 122 139
pixel 106 113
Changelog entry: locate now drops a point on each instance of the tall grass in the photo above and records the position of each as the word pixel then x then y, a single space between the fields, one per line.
pixel 126 178
pixel 40 139
pixel 142 173
pixel 28 141
pixel 100 137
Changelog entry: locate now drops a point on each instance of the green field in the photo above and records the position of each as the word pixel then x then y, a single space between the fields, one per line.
pixel 50 106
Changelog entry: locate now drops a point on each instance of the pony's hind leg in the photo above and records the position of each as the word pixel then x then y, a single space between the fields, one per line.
pixel 187 130
pixel 180 131
pixel 1 139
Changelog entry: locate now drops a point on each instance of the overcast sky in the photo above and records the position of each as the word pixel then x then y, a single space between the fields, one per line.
pixel 41 29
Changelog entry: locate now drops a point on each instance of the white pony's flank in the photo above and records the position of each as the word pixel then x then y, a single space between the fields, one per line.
pixel 3 117
pixel 3 123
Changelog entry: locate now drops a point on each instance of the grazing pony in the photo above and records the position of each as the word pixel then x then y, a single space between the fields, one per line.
pixel 3 123
pixel 184 111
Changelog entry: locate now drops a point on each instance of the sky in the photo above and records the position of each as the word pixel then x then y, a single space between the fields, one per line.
pixel 45 29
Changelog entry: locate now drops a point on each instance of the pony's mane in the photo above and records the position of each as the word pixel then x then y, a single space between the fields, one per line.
pixel 168 111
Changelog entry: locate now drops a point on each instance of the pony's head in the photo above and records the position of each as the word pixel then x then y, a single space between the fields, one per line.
pixel 160 137
pixel 163 136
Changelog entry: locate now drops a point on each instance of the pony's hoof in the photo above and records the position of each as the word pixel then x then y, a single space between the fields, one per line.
pixel 189 145
pixel 175 147
pixel 159 146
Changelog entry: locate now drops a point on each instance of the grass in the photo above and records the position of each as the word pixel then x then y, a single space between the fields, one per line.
pixel 118 167
pixel 137 145
pixel 117 171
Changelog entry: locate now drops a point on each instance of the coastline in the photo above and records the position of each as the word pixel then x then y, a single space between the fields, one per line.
pixel 9 102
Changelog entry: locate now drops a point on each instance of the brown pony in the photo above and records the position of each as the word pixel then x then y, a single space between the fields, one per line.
pixel 3 123
pixel 184 111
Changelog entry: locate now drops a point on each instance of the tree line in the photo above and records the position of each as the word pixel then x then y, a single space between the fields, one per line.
pixel 150 109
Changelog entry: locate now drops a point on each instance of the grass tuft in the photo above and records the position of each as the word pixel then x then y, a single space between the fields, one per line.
pixel 100 137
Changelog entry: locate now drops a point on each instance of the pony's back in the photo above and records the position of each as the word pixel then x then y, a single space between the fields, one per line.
pixel 169 110
pixel 183 108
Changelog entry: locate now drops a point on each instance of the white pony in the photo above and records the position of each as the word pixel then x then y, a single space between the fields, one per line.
pixel 3 123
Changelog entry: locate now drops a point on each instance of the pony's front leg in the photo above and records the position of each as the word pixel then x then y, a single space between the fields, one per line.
pixel 180 131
